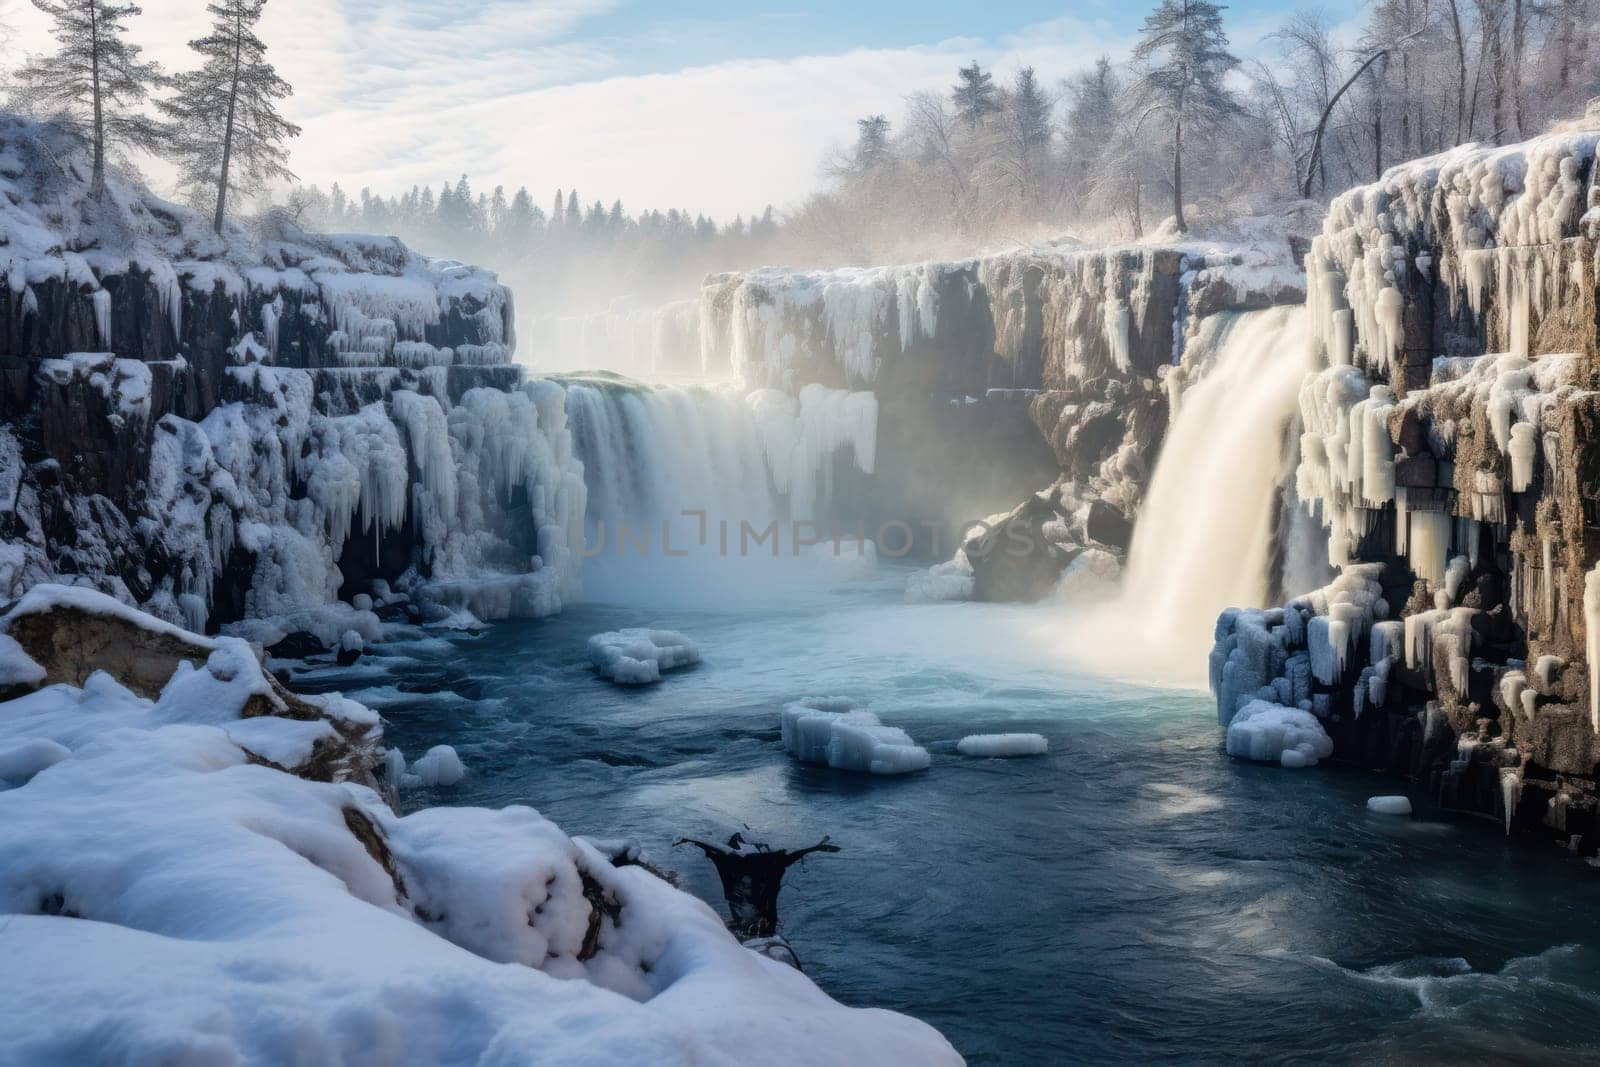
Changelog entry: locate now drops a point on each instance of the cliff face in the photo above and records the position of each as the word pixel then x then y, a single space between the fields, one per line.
pixel 1449 446
pixel 995 377
pixel 210 426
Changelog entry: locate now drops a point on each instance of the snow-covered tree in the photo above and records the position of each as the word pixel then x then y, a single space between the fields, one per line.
pixel 1184 60
pixel 227 132
pixel 974 95
pixel 872 141
pixel 1025 136
pixel 94 84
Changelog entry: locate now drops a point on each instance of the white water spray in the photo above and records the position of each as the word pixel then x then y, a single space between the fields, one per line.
pixel 1205 535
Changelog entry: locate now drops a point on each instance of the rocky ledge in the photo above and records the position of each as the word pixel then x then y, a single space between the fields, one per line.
pixel 1450 448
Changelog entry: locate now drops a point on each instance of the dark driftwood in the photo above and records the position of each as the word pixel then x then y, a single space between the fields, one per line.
pixel 752 874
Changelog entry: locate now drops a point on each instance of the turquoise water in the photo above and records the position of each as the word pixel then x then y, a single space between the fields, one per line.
pixel 1133 895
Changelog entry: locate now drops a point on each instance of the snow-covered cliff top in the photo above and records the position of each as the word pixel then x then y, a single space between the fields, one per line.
pixel 52 230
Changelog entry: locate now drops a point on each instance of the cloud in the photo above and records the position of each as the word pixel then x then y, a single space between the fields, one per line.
pixel 521 92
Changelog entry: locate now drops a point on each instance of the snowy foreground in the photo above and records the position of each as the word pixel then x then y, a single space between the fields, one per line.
pixel 178 887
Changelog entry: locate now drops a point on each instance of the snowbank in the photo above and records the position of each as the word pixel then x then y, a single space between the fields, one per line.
pixel 829 730
pixel 999 746
pixel 190 900
pixel 638 656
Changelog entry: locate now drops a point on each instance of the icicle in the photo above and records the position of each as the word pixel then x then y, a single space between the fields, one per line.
pixel 1429 544
pixel 1591 626
pixel 1524 445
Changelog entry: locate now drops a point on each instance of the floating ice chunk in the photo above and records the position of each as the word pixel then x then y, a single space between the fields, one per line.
pixel 1270 732
pixel 827 730
pixel 20 762
pixel 1389 805
pixel 637 656
pixel 439 766
pixel 1003 745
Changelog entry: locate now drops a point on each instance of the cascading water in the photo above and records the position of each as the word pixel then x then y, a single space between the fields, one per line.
pixel 650 453
pixel 691 481
pixel 1205 535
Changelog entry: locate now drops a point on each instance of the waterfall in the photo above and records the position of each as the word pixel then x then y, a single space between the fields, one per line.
pixel 1204 540
pixel 652 452
pixel 696 457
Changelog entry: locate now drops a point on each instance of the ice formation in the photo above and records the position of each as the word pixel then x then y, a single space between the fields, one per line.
pixel 996 746
pixel 638 656
pixel 950 580
pixel 831 731
pixel 1272 733
pixel 1391 805
pixel 439 766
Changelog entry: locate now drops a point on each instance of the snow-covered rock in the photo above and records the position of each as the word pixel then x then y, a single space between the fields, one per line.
pixel 236 426
pixel 637 656
pixel 188 898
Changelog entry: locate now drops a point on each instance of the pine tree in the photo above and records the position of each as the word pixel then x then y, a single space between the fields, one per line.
pixel 574 217
pixel 558 213
pixel 94 84
pixel 974 96
pixel 227 131
pixel 1185 55
pixel 872 141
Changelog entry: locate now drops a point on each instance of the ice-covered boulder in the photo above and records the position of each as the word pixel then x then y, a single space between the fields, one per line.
pixel 637 656
pixel 831 731
pixel 1272 733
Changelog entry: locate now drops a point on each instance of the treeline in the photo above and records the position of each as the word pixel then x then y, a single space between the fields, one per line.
pixel 1183 130
pixel 576 256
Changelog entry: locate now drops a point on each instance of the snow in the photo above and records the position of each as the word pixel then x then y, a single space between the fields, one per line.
pixel 831 731
pixel 290 919
pixel 845 561
pixel 1391 805
pixel 21 760
pixel 1002 745
pixel 17 668
pixel 637 656
pixel 1272 733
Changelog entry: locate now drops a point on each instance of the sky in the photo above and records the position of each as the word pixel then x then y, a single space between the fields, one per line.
pixel 719 108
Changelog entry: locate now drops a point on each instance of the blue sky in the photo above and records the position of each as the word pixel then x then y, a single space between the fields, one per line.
pixel 719 108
